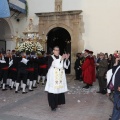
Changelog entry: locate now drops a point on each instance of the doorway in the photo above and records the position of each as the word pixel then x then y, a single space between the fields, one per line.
pixel 59 37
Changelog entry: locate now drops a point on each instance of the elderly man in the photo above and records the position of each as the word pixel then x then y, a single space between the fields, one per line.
pixel 102 69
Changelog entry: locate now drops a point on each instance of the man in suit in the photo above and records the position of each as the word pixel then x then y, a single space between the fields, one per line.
pixel 77 67
pixel 102 69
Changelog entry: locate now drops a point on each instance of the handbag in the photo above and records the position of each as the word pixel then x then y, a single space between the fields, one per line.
pixel 110 84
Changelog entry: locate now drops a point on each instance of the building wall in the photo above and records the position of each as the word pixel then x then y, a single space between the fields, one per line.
pixel 10 27
pixel 101 21
pixel 10 45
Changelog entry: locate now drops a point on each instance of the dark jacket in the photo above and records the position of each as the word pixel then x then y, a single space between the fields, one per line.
pixel 77 64
pixel 117 78
pixel 103 67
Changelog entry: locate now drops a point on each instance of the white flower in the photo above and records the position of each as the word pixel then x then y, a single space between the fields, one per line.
pixel 29 46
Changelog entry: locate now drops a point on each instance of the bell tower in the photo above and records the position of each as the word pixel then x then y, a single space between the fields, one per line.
pixel 58 5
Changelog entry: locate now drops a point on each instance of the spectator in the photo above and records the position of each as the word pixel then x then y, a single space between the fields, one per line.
pixel 116 79
pixel 110 61
pixel 102 69
pixel 77 66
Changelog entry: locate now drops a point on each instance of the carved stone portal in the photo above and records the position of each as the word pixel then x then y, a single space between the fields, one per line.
pixel 69 20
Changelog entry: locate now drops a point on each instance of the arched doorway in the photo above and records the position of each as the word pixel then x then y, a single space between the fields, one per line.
pixel 4 33
pixel 59 37
pixel 69 20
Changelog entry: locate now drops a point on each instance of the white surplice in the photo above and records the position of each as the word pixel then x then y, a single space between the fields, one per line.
pixel 56 78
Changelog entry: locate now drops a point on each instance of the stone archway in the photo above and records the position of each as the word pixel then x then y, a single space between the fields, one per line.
pixel 11 26
pixel 69 20
pixel 60 37
pixel 67 28
pixel 6 32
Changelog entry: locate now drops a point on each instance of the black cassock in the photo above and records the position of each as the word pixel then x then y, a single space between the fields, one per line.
pixel 55 99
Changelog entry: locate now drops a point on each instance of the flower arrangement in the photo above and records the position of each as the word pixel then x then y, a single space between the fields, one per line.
pixel 30 46
pixel 38 46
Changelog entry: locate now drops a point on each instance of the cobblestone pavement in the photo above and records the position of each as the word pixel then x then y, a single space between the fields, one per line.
pixel 80 104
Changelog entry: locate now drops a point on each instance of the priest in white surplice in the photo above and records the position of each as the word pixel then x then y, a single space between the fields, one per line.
pixel 56 84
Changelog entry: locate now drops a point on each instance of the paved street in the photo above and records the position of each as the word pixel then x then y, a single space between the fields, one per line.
pixel 80 104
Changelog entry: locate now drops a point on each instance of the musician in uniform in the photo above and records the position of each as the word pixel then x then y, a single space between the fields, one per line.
pixel 4 64
pixel 30 69
pixel 13 66
pixel 22 72
pixel 43 68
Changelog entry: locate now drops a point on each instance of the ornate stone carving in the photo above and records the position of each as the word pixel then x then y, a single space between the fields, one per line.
pixel 31 27
pixel 58 5
pixel 69 20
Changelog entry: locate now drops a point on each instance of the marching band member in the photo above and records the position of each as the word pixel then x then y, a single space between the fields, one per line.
pixel 43 67
pixel 22 72
pixel 4 64
pixel 13 66
pixel 30 69
pixel 36 66
pixel 9 79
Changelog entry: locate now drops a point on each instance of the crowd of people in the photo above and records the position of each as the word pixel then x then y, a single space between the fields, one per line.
pixel 85 68
pixel 104 68
pixel 22 70
pixel 88 67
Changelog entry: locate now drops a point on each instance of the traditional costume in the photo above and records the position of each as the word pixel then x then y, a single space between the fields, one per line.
pixel 42 69
pixel 86 71
pixel 30 70
pixel 36 63
pixel 13 66
pixel 4 64
pixel 22 72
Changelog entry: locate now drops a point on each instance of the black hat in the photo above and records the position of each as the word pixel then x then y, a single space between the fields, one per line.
pixel 86 50
pixel 91 52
